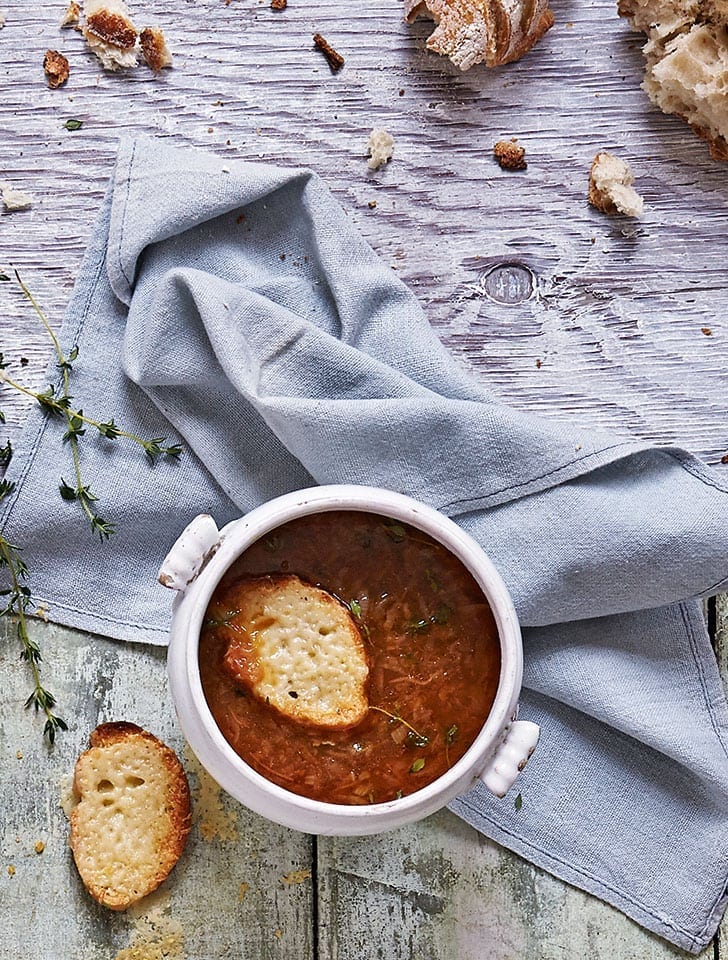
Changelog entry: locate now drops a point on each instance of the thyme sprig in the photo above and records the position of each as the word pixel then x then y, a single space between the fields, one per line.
pixel 57 401
pixel 19 603
pixel 419 739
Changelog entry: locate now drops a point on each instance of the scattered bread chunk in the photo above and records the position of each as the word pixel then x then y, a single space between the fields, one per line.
pixel 334 59
pixel 509 155
pixel 133 814
pixel 56 69
pixel 72 15
pixel 610 186
pixel 15 199
pixel 493 32
pixel 686 62
pixel 110 33
pixel 278 4
pixel 379 148
pixel 298 648
pixel 155 49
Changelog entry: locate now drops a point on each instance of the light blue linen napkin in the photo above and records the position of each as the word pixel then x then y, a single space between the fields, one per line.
pixel 234 305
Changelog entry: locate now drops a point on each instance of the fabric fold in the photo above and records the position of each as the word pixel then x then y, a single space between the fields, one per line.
pixel 235 308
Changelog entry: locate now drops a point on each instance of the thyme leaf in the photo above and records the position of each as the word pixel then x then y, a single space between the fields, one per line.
pixel 518 802
pixel 417 765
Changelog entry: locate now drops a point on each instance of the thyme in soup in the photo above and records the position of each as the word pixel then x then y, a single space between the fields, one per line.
pixel 430 643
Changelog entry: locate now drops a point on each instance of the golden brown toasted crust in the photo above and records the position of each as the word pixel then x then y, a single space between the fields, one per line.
pixel 112 28
pixel 509 155
pixel 297 647
pixel 154 49
pixel 56 68
pixel 132 820
pixel 333 58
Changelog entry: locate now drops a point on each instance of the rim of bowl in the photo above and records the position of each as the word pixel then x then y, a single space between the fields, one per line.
pixel 239 534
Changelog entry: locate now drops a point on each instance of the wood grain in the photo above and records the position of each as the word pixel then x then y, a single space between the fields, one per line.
pixel 557 308
pixel 225 898
pixel 611 333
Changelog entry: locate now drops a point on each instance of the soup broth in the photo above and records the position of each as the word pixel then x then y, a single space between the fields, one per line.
pixel 431 644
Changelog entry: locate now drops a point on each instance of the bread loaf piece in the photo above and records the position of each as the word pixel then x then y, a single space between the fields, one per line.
pixel 477 31
pixel 298 648
pixel 686 58
pixel 133 816
pixel 110 33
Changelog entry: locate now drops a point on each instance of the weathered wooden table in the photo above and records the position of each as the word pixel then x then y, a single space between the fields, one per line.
pixel 621 324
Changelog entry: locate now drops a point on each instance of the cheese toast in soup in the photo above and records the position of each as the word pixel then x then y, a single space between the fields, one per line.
pixel 349 658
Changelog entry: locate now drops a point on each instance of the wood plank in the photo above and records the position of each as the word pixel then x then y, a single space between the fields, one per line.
pixel 607 324
pixel 225 898
pixel 439 890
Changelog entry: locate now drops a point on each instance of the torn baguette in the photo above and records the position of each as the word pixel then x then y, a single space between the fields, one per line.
pixel 493 32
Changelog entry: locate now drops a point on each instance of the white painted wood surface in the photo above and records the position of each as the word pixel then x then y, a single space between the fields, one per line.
pixel 559 309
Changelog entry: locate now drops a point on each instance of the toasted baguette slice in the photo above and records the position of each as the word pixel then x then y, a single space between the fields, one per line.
pixel 133 816
pixel 298 648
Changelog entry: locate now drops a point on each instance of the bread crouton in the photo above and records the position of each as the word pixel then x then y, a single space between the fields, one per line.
pixel 298 648
pixel 133 814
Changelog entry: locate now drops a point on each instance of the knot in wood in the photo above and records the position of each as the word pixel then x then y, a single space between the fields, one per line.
pixel 508 283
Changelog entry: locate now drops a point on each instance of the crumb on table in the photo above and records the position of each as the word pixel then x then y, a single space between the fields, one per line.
pixel 509 155
pixel 380 148
pixel 56 68
pixel 334 59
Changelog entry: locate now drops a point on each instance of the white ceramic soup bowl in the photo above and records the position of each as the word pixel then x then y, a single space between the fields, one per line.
pixel 194 567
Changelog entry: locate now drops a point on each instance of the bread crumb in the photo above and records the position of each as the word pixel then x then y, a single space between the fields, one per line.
pixel 67 799
pixel 296 876
pixel 156 935
pixel 724 458
pixel 509 155
pixel 212 819
pixel 242 890
pixel 379 148
pixel 706 331
pixel 110 33
pixel 72 15
pixel 154 49
pixel 56 68
pixel 334 59
pixel 372 204
pixel 11 870
pixel 3 18
pixel 19 755
pixel 278 933
pixel 278 4
pixel 15 199
pixel 39 846
pixel 610 186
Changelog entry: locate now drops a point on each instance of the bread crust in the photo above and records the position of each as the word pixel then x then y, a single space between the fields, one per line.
pixel 493 32
pixel 297 647
pixel 122 753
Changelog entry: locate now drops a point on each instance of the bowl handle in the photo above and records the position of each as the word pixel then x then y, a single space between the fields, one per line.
pixel 511 757
pixel 191 551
